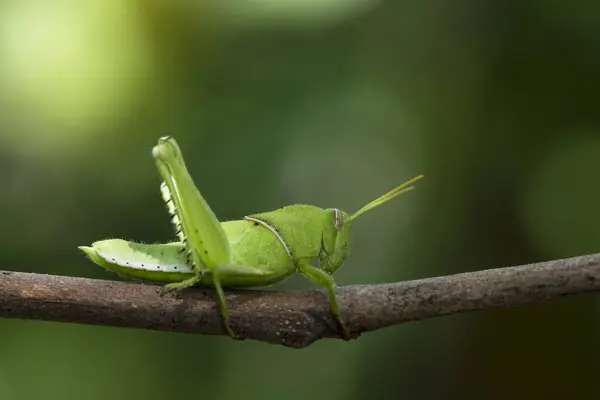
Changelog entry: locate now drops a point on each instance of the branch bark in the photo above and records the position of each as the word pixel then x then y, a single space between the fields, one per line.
pixel 293 319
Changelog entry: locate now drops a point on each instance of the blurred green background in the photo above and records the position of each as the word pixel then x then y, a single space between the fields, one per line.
pixel 325 102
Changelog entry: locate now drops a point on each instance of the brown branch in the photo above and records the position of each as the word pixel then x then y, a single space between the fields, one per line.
pixel 294 319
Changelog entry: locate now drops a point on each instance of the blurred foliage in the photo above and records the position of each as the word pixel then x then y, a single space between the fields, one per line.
pixel 322 102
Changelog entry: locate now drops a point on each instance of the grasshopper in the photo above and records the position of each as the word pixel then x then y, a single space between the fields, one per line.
pixel 258 250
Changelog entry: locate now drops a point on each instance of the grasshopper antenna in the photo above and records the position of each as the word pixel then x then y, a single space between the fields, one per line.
pixel 397 191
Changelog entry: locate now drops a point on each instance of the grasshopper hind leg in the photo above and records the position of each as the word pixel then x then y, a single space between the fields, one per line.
pixel 196 279
pixel 197 226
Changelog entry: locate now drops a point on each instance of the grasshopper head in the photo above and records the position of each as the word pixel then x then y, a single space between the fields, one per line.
pixel 335 240
pixel 336 233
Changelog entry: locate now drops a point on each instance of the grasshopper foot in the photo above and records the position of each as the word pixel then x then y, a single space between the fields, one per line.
pixel 181 285
pixel 229 331
pixel 177 286
pixel 345 332
pixel 224 311
pixel 173 288
pixel 166 289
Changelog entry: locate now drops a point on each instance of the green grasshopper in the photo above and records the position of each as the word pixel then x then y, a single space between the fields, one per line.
pixel 259 250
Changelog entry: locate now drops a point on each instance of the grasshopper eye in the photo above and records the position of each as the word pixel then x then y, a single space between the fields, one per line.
pixel 338 219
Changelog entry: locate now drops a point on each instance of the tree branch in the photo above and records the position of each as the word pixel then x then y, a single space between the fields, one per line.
pixel 294 319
